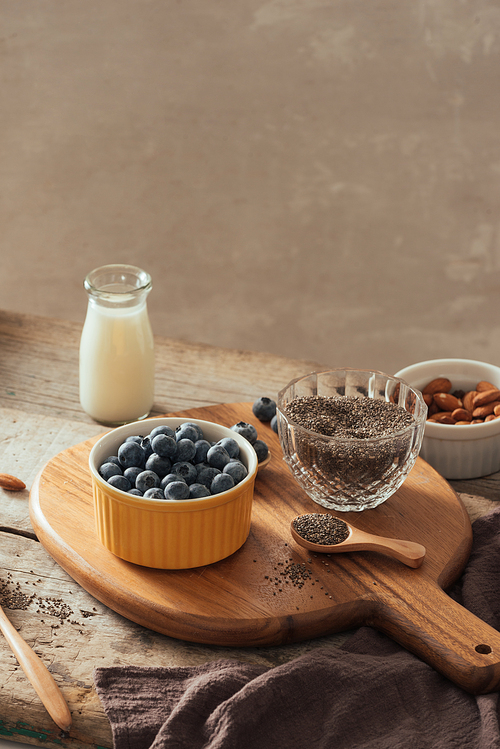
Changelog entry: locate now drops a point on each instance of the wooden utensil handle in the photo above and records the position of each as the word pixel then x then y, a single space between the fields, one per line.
pixel 445 635
pixel 38 674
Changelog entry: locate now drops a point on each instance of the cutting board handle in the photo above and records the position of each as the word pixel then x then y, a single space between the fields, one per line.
pixel 442 633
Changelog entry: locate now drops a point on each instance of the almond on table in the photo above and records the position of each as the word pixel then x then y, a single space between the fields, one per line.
pixel 11 483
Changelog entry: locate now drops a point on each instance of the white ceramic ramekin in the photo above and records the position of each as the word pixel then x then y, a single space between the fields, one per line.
pixel 458 452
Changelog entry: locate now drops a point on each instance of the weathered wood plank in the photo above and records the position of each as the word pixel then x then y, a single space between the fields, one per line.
pixel 39 370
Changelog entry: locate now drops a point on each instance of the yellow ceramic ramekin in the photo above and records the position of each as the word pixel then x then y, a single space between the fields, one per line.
pixel 171 534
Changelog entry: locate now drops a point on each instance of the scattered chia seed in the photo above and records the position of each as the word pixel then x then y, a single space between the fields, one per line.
pixel 321 528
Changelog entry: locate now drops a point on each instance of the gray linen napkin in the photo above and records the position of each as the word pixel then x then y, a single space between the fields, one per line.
pixel 369 694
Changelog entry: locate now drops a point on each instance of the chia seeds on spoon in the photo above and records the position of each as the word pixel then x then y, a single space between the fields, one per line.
pixel 320 528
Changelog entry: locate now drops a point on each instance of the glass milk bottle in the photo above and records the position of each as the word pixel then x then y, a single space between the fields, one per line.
pixel 116 347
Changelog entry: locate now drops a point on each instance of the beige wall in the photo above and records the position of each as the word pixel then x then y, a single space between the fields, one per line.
pixel 316 178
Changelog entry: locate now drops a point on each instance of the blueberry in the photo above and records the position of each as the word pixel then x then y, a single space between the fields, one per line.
pixel 169 478
pixel 274 424
pixel 187 432
pixel 198 491
pixel 154 493
pixel 163 429
pixel 197 429
pixel 164 445
pixel 230 446
pixel 159 465
pixel 261 449
pixel 206 475
pixel 221 483
pixel 248 431
pixel 236 470
pixel 186 471
pixel 186 450
pixel 110 469
pixel 131 454
pixel 218 457
pixel 202 447
pixel 264 409
pixel 147 480
pixel 177 490
pixel 132 473
pixel 146 446
pixel 120 482
pixel 113 459
pixel 135 492
pixel 134 438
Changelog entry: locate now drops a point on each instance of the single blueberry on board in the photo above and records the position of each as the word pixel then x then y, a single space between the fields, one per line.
pixel 147 480
pixel 221 483
pixel 131 454
pixel 248 431
pixel 186 471
pixel 230 446
pixel 274 424
pixel 165 446
pixel 198 491
pixel 206 475
pixel 218 457
pixel 154 493
pixel 261 449
pixel 159 465
pixel 237 470
pixel 186 450
pixel 264 409
pixel 120 482
pixel 162 429
pixel 202 447
pixel 177 490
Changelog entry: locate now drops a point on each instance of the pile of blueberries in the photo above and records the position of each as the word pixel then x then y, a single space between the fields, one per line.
pixel 181 463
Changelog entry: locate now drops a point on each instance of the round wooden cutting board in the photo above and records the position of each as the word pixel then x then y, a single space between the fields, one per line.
pixel 272 591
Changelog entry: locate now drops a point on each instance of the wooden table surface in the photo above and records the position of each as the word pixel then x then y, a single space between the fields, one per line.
pixel 40 415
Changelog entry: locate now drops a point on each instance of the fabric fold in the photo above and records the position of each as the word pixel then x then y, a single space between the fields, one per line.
pixel 368 694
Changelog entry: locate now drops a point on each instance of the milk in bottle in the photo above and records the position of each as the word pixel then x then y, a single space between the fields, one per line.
pixel 116 348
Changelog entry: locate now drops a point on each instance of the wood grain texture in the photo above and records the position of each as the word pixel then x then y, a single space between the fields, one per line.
pixel 236 602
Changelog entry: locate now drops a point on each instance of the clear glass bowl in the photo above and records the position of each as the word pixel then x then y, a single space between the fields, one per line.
pixel 351 473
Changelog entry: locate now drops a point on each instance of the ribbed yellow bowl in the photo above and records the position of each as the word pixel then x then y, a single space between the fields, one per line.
pixel 171 534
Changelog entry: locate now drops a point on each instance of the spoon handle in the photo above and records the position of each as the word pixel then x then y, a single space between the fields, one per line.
pixel 408 552
pixel 38 674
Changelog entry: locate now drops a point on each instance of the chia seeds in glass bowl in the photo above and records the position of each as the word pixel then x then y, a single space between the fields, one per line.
pixel 350 437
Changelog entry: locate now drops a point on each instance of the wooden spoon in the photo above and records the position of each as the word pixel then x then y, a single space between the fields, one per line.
pixel 38 674
pixel 408 552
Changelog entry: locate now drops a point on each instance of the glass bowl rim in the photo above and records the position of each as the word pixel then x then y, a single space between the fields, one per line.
pixel 419 422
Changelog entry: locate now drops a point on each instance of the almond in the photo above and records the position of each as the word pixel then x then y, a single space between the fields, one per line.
pixel 461 414
pixel 11 483
pixel 446 401
pixel 486 396
pixel 443 417
pixel 482 411
pixel 468 400
pixel 483 385
pixel 428 399
pixel 465 423
pixel 491 417
pixel 496 410
pixel 439 385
